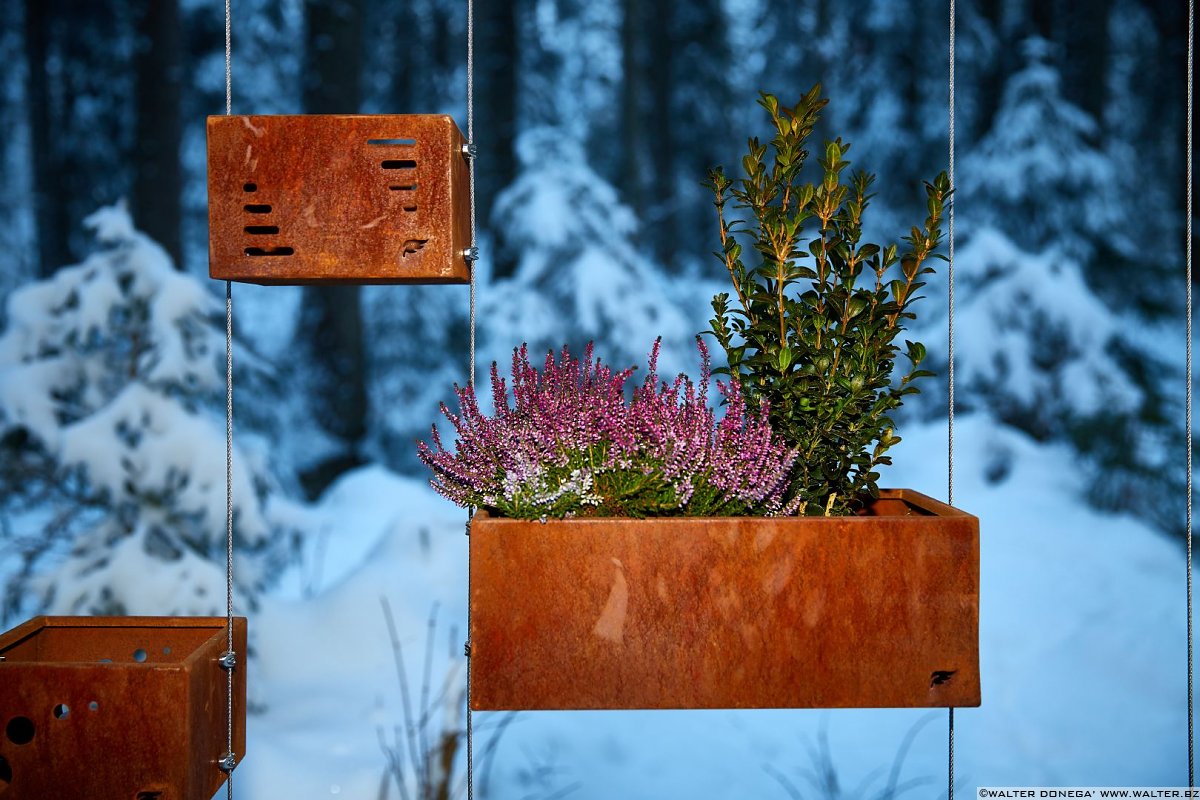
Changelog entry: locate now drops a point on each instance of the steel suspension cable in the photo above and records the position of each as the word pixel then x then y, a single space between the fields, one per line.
pixel 229 659
pixel 472 256
pixel 1188 392
pixel 950 357
pixel 473 253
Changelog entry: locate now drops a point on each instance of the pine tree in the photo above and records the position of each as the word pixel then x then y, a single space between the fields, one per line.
pixel 112 457
pixel 17 228
pixel 1040 172
pixel 330 334
pixel 578 276
pixel 79 78
pixel 1042 211
pixel 1142 139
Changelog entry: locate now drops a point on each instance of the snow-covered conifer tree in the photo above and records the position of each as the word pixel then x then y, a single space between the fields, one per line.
pixel 1040 207
pixel 112 454
pixel 1040 173
pixel 579 277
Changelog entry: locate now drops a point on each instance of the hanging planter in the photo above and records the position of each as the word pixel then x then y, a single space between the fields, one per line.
pixel 338 199
pixel 576 607
pixel 640 554
pixel 875 610
pixel 117 707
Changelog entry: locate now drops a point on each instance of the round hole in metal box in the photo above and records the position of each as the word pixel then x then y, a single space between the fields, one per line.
pixel 139 655
pixel 20 730
pixel 5 774
pixel 93 706
pixel 62 711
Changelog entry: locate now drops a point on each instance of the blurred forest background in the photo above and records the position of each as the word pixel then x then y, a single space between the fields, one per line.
pixel 596 124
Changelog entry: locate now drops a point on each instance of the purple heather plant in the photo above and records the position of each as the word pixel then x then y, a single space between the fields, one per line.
pixel 568 443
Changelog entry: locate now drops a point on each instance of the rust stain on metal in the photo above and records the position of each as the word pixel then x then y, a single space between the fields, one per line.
pixel 118 707
pixel 880 610
pixel 338 199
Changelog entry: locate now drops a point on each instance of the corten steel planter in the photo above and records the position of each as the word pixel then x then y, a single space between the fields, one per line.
pixel 338 199
pixel 128 708
pixel 880 610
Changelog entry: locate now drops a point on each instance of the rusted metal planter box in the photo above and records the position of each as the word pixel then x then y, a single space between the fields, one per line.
pixel 880 610
pixel 128 708
pixel 338 199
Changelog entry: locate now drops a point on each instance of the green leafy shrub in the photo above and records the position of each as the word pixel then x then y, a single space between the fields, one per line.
pixel 816 312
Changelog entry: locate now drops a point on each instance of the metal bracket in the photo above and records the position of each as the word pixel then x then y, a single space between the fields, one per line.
pixel 471 254
pixel 470 151
pixel 467 649
pixel 227 762
pixel 228 660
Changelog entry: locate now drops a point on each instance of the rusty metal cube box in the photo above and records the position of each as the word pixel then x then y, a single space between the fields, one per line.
pixel 879 610
pixel 338 199
pixel 129 708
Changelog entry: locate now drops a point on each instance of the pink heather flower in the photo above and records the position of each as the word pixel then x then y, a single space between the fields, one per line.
pixel 565 441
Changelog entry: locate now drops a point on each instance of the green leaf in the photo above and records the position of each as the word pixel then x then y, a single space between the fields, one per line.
pixel 784 359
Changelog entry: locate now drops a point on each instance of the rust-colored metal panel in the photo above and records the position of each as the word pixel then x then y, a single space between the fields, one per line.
pixel 130 708
pixel 338 199
pixel 880 610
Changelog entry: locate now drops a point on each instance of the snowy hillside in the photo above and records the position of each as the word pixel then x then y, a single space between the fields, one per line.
pixel 1082 646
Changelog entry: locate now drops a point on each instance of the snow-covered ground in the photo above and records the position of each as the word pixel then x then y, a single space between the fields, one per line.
pixel 1083 658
